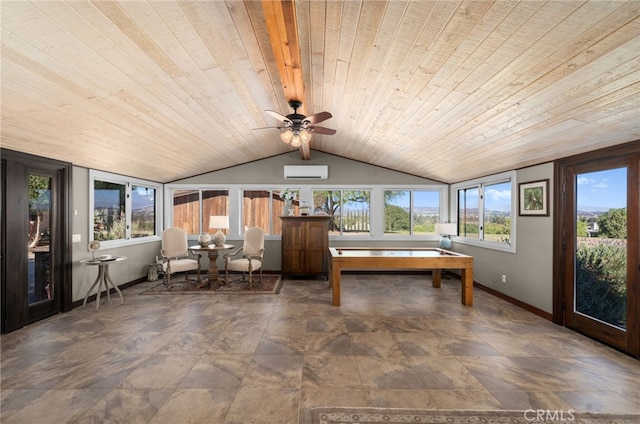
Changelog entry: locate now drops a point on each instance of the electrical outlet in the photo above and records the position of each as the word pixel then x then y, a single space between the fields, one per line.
pixel 504 278
pixel 76 238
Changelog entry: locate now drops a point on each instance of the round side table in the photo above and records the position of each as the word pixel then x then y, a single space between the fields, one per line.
pixel 103 278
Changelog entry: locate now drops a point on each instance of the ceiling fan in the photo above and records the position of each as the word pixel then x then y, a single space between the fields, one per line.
pixel 296 128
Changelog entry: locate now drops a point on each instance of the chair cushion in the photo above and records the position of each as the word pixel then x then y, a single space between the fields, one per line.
pixel 181 265
pixel 243 265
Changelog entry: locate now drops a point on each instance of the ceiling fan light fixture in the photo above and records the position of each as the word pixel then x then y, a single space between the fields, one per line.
pixel 305 136
pixel 286 135
pixel 296 140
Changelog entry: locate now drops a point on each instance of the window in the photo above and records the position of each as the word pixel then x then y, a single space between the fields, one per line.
pixel 263 208
pixel 350 210
pixel 485 210
pixel 497 212
pixel 188 204
pixel 123 209
pixel 413 212
pixel 358 212
pixel 468 212
pixel 143 211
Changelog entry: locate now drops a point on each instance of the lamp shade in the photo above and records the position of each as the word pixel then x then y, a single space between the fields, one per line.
pixel 296 141
pixel 305 136
pixel 218 221
pixel 446 228
pixel 286 135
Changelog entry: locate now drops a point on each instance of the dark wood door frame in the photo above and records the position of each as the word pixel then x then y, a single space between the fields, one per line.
pixel 14 304
pixel 563 222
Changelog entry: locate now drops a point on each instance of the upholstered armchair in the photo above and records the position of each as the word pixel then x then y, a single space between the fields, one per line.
pixel 175 255
pixel 248 258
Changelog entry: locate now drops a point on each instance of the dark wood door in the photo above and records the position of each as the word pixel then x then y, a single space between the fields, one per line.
pixel 36 280
pixel 598 266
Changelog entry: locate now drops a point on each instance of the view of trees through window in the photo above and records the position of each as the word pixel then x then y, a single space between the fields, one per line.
pixel 484 212
pixel 497 212
pixel 350 210
pixel 601 246
pixel 123 209
pixel 109 213
pixel 406 211
pixel 469 213
pixel 411 211
pixel 143 211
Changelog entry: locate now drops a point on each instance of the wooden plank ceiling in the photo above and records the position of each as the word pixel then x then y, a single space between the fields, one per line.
pixel 446 90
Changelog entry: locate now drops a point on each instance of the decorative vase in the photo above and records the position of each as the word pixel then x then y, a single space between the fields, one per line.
pixel 288 208
pixel 219 238
pixel 204 239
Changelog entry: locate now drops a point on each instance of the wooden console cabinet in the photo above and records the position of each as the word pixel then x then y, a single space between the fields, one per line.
pixel 305 245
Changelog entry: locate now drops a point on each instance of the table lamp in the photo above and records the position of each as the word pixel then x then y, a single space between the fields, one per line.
pixel 446 230
pixel 219 222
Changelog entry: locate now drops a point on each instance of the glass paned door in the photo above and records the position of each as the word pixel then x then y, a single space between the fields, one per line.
pixel 600 287
pixel 596 249
pixel 39 246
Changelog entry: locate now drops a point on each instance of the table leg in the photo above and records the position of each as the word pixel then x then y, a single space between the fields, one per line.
pixel 108 279
pixel 101 280
pixel 95 283
pixel 335 284
pixel 212 274
pixel 467 286
pixel 437 278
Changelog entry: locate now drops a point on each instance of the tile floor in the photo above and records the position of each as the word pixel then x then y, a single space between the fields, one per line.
pixel 394 342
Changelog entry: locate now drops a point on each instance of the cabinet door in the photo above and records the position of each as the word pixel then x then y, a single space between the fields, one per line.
pixel 293 247
pixel 317 246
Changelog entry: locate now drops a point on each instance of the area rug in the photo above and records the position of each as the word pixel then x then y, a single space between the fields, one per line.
pixel 434 416
pixel 270 284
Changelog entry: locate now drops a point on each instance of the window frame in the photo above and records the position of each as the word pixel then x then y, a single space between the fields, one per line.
pixel 481 183
pixel 128 182
pixel 442 206
pixel 305 194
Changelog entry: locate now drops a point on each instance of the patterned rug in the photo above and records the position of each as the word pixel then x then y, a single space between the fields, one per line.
pixel 270 284
pixel 434 416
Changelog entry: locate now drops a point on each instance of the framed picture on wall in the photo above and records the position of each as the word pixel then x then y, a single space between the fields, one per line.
pixel 533 198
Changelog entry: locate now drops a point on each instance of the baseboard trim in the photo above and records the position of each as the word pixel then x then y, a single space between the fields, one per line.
pixel 92 298
pixel 519 303
pixel 516 302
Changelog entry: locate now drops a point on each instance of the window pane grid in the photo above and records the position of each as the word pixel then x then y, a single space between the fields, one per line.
pixel 143 211
pixel 123 210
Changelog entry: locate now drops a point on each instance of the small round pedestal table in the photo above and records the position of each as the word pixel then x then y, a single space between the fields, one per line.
pixel 212 250
pixel 103 278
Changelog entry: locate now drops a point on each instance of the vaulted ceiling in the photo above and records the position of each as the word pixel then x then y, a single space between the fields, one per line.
pixel 446 90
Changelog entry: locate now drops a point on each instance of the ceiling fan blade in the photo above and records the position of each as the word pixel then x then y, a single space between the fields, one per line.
pixel 318 117
pixel 277 116
pixel 266 128
pixel 323 130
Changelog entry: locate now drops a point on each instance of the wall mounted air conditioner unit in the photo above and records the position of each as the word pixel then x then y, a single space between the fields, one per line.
pixel 306 172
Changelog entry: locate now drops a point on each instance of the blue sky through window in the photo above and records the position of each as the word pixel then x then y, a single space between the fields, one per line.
pixel 602 190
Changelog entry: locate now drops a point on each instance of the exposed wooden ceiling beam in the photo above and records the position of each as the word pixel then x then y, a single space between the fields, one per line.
pixel 280 16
